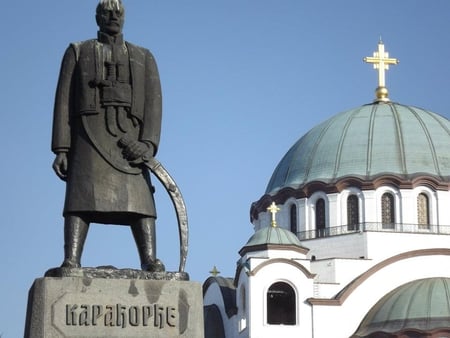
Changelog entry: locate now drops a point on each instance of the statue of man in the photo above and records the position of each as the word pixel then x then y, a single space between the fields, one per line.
pixel 107 117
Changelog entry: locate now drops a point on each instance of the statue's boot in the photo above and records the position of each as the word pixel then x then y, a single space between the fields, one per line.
pixel 75 232
pixel 144 235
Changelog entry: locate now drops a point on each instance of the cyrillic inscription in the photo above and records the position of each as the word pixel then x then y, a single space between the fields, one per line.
pixel 119 315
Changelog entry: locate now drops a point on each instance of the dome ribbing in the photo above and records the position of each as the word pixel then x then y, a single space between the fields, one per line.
pixel 420 306
pixel 366 142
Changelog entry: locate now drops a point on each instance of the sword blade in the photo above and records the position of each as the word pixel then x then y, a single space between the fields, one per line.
pixel 178 202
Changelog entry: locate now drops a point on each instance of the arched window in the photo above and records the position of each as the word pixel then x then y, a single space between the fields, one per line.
pixel 281 305
pixel 320 217
pixel 293 217
pixel 423 211
pixel 352 212
pixel 387 211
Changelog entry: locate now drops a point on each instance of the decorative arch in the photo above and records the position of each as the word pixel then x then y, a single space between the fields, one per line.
pixel 370 183
pixel 342 296
pixel 295 264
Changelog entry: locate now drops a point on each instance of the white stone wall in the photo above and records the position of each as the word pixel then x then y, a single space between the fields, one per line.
pixel 345 246
pixel 384 245
pixel 442 207
pixel 259 284
pixel 344 319
pixel 338 272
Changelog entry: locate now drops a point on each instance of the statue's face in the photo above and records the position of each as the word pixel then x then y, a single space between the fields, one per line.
pixel 111 21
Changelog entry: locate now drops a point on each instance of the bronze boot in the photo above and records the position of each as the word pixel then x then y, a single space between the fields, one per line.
pixel 75 232
pixel 144 235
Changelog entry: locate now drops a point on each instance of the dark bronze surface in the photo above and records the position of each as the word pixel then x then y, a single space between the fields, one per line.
pixel 106 131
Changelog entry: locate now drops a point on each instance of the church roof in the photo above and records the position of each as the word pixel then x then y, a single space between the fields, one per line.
pixel 273 237
pixel 381 138
pixel 227 290
pixel 421 306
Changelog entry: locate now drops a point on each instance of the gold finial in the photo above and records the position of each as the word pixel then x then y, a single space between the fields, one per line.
pixel 214 271
pixel 273 209
pixel 381 61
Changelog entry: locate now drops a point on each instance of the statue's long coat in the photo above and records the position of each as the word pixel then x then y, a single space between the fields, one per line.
pixel 101 184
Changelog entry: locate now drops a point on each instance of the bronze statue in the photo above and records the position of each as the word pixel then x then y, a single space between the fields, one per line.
pixel 107 119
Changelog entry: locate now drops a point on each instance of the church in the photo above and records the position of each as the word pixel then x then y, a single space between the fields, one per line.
pixel 352 234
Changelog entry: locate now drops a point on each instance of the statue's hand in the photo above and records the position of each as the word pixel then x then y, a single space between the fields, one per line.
pixel 135 150
pixel 60 165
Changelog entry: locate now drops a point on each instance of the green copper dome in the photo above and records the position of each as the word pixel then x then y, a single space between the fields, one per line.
pixel 420 306
pixel 273 236
pixel 366 142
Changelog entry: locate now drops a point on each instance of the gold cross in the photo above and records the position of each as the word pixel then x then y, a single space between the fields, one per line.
pixel 381 61
pixel 214 271
pixel 273 209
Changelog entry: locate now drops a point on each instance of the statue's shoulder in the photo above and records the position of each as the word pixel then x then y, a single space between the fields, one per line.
pixel 135 49
pixel 83 44
pixel 79 46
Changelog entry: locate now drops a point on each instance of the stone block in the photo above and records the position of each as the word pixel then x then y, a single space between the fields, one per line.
pixel 84 307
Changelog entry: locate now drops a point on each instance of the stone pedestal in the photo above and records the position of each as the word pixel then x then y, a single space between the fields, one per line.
pixel 82 305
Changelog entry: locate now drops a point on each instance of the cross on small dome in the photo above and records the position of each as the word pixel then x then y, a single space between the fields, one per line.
pixel 273 209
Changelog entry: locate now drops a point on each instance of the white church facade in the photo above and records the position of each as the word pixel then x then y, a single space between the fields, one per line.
pixel 352 237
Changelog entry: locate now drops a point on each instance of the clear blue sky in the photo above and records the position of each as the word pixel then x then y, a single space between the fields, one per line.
pixel 242 81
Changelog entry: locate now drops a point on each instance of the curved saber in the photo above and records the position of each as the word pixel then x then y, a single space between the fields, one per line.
pixel 177 199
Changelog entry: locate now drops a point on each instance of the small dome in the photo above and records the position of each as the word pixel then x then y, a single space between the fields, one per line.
pixel 420 306
pixel 367 142
pixel 273 236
